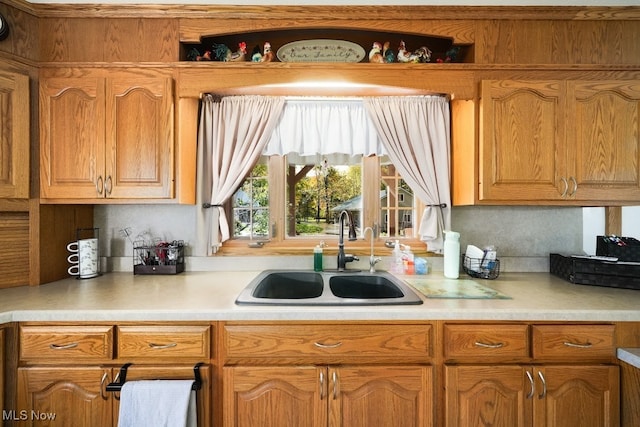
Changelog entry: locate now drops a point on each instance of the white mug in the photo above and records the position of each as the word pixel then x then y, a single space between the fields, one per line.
pixel 83 258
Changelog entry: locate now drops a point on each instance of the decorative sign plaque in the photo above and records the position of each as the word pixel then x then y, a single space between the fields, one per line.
pixel 321 50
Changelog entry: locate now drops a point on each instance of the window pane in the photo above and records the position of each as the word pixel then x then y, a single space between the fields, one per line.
pixel 396 202
pixel 251 205
pixel 317 193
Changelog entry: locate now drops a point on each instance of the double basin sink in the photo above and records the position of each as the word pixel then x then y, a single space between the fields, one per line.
pixel 302 287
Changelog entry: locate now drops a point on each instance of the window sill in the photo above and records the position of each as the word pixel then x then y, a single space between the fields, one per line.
pixel 305 247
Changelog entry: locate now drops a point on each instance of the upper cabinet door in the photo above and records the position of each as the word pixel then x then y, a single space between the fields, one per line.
pixel 14 136
pixel 603 127
pixel 72 137
pixel 139 138
pixel 521 141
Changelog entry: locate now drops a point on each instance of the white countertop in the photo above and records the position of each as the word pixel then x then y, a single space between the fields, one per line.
pixel 630 355
pixel 211 296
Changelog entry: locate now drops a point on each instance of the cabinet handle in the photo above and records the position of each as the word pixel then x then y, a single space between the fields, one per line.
pixel 99 185
pixel 532 383
pixel 109 187
pixel 116 395
pixel 578 345
pixel 321 385
pixel 162 346
pixel 63 346
pixel 566 186
pixel 334 379
pixel 575 186
pixel 485 345
pixel 544 385
pixel 103 387
pixel 322 345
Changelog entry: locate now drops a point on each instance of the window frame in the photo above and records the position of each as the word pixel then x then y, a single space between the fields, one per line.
pixel 279 244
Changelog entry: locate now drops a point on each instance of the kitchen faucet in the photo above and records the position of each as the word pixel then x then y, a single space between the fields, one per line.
pixel 343 258
pixel 373 260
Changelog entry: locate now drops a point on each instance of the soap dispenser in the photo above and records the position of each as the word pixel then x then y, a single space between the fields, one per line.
pixel 451 254
pixel 317 257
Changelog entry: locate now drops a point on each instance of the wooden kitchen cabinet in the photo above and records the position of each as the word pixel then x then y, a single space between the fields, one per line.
pixel 65 369
pixel 603 135
pixel 521 141
pixel 14 136
pixel 566 379
pixel 73 396
pixel 106 135
pixel 532 396
pixel 327 374
pixel 319 396
pixel 570 142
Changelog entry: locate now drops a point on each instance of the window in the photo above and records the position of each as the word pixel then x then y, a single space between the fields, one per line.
pixel 302 202
pixel 250 205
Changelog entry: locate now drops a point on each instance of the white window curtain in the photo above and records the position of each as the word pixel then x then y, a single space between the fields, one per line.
pixel 416 134
pixel 313 129
pixel 233 133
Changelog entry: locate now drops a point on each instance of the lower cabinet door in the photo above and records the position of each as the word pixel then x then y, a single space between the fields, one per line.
pixel 321 396
pixel 539 396
pixel 581 396
pixel 65 396
pixel 497 396
pixel 275 396
pixel 381 396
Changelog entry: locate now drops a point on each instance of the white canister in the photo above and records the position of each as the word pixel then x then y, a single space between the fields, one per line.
pixel 451 254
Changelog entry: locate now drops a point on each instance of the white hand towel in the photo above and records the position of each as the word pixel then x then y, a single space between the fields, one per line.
pixel 158 403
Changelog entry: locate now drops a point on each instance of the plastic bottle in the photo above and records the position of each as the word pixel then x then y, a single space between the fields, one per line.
pixel 451 254
pixel 408 264
pixel 317 258
pixel 396 259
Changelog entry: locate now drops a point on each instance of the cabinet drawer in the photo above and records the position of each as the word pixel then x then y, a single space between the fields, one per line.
pixel 573 342
pixel 66 343
pixel 316 341
pixel 486 341
pixel 181 342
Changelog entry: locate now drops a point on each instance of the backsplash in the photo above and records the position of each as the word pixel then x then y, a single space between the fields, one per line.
pixel 524 235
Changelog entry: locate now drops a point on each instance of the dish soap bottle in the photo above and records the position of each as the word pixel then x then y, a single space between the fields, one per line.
pixel 397 266
pixel 317 257
pixel 451 254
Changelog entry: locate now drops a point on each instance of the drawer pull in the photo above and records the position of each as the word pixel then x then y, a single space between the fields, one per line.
pixel 578 345
pixel 322 345
pixel 532 383
pixel 485 345
pixel 162 346
pixel 63 346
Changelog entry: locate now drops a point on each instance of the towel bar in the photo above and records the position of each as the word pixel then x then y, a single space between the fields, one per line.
pixel 116 386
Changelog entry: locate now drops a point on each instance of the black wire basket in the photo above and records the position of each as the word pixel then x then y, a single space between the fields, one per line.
pixel 481 268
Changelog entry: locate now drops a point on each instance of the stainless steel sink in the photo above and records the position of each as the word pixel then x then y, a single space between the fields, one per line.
pixel 301 287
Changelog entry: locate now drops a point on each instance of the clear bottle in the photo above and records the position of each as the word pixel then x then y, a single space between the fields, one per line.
pixel 396 259
pixel 451 254
pixel 317 258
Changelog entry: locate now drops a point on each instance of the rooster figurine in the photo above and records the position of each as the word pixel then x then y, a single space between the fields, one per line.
pixel 238 55
pixel 375 54
pixel 403 54
pixel 268 54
